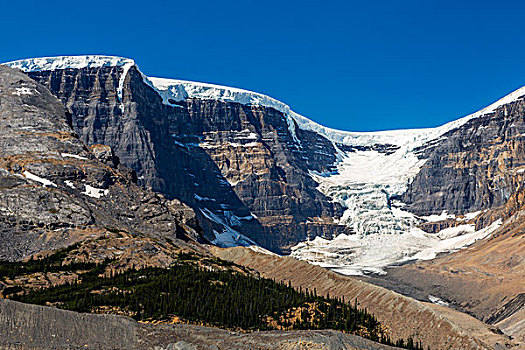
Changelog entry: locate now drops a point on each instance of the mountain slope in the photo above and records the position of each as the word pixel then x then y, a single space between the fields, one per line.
pixel 57 192
pixel 435 326
pixel 33 327
pixel 255 172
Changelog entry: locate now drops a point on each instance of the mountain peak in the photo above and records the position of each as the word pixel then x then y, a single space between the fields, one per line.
pixel 64 62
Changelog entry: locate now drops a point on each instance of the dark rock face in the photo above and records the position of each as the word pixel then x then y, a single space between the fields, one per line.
pixel 54 191
pixel 477 166
pixel 225 158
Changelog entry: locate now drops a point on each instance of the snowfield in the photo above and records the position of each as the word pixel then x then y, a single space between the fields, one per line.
pixel 68 62
pixel 364 183
pixel 371 253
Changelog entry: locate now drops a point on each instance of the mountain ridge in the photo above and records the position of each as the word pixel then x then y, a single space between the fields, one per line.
pixel 205 90
pixel 361 179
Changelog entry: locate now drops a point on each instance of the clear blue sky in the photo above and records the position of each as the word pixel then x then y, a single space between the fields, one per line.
pixel 353 65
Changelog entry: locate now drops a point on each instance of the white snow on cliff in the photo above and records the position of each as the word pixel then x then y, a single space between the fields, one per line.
pixel 76 62
pixel 68 62
pixel 179 90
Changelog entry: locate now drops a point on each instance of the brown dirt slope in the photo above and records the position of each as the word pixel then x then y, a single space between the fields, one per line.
pixel 436 326
pixel 486 280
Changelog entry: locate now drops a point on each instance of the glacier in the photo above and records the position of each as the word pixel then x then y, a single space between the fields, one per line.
pixel 365 183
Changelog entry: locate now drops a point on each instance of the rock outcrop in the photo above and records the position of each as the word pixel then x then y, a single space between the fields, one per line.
pixel 55 191
pixel 475 167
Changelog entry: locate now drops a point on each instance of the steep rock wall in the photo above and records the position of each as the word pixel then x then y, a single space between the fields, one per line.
pixel 224 158
pixel 477 166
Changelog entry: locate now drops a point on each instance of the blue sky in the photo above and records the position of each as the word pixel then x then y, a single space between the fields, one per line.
pixel 352 65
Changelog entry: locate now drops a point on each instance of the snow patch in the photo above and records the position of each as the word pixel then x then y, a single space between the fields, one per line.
pixel 44 182
pixel 69 155
pixel 95 192
pixel 437 301
pixel 441 217
pixel 199 198
pixel 229 237
pixel 120 90
pixel 470 216
pixel 125 68
pixel 69 184
pixel 22 91
pixel 247 218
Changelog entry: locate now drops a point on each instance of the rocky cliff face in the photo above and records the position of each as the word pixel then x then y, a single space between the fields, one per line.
pixel 475 167
pixel 55 191
pixel 237 165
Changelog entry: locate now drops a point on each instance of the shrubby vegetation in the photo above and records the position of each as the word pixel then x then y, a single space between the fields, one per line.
pixel 51 263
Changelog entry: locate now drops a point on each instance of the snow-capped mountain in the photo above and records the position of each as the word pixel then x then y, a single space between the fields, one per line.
pixel 259 173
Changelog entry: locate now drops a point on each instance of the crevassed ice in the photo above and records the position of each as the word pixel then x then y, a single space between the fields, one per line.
pixel 357 255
